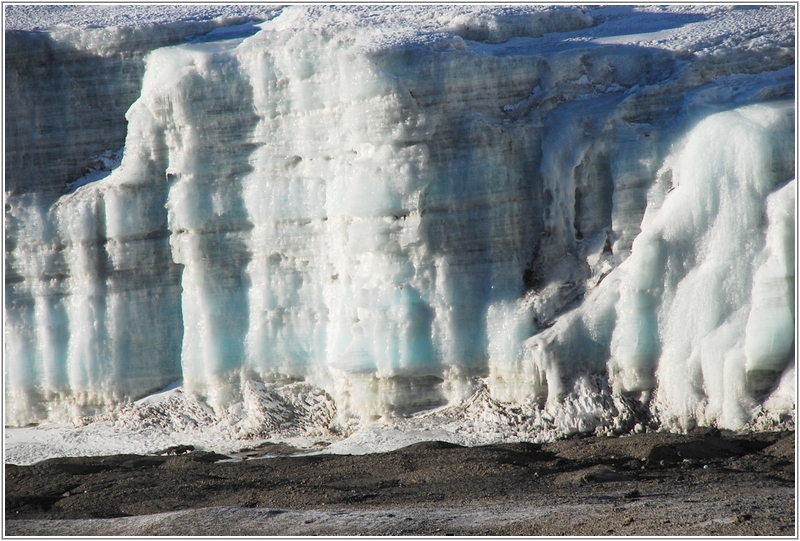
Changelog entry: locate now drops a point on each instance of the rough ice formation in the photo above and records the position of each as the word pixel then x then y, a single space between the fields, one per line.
pixel 403 207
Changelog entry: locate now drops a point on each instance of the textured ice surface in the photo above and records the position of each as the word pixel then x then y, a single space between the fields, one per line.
pixel 494 223
pixel 106 16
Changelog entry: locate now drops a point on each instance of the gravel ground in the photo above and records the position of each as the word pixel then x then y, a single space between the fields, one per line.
pixel 706 482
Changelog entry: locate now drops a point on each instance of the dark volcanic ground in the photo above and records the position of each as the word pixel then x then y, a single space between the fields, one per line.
pixel 706 482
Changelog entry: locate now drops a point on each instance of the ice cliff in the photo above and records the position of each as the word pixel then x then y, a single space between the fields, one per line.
pixel 406 206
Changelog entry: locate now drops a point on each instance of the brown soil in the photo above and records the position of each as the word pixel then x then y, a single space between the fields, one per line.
pixel 706 482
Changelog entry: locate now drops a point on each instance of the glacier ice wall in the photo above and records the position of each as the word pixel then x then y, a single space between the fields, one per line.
pixel 508 199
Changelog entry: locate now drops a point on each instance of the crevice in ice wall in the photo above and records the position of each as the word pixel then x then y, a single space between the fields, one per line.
pixel 407 225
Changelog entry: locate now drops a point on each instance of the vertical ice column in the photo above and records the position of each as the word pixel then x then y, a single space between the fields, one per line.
pixel 199 96
pixel 481 217
pixel 81 224
pixel 122 298
pixel 380 342
pixel 690 273
pixel 142 296
pixel 105 296
pixel 480 224
pixel 143 288
pixel 36 325
pixel 636 343
pixel 372 236
pixel 285 194
pixel 337 288
pixel 770 332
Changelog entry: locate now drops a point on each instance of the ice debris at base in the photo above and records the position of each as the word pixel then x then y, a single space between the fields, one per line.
pixel 538 219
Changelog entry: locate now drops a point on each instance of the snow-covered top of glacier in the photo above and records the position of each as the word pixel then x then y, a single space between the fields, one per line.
pixel 43 17
pixel 535 27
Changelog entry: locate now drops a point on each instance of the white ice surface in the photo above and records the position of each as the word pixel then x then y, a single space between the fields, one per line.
pixel 338 206
pixel 44 17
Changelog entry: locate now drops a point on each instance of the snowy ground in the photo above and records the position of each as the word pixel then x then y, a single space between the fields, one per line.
pixel 281 414
pixel 300 418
